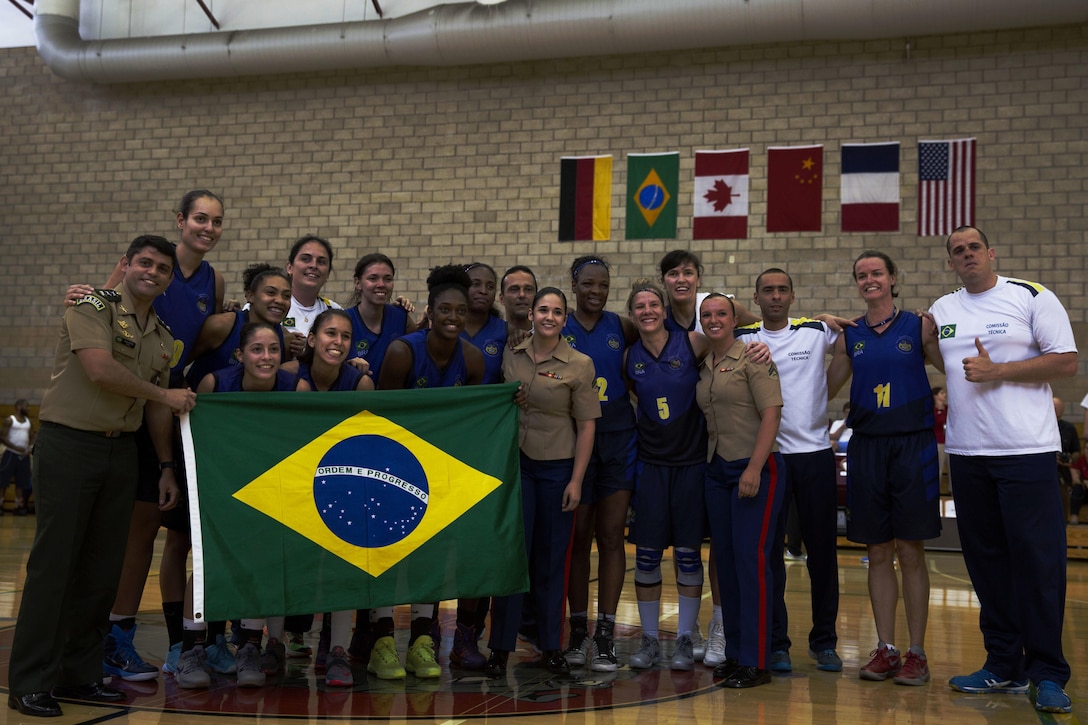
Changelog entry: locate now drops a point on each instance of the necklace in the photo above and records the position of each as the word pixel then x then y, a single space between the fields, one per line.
pixel 886 320
pixel 307 311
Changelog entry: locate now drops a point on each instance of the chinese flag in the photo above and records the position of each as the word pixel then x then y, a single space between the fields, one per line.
pixel 795 183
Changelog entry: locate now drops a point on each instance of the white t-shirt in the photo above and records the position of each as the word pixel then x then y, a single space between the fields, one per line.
pixel 800 351
pixel 301 319
pixel 1015 320
pixel 844 439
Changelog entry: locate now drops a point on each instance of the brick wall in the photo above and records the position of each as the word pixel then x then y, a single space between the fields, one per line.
pixel 457 164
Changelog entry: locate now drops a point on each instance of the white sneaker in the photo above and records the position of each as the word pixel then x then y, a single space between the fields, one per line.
pixel 715 645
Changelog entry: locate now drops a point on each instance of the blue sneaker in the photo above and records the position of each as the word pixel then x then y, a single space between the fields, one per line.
pixel 780 662
pixel 172 655
pixel 219 658
pixel 986 683
pixel 1050 697
pixel 827 660
pixel 120 658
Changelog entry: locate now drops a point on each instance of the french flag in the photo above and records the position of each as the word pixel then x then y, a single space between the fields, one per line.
pixel 870 187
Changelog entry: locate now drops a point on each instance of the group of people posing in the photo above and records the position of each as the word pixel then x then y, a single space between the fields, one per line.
pixel 690 411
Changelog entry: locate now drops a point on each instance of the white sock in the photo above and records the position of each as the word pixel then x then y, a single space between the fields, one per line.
pixel 688 615
pixel 649 613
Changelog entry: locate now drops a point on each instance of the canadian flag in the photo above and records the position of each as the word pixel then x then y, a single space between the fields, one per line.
pixel 721 195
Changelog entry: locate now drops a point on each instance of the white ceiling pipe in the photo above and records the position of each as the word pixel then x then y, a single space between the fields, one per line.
pixel 517 30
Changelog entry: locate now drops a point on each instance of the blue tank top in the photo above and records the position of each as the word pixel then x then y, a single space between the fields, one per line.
pixel 229 380
pixel 223 356
pixel 425 373
pixel 673 326
pixel 671 426
pixel 889 393
pixel 490 340
pixel 371 346
pixel 347 379
pixel 184 307
pixel 604 345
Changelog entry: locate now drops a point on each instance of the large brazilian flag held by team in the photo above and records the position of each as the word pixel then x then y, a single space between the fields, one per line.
pixel 305 503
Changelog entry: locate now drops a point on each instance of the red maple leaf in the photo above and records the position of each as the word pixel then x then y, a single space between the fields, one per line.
pixel 721 195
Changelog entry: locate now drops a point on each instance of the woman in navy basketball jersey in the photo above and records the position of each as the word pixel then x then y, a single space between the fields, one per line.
pixel 893 473
pixel 195 293
pixel 610 478
pixel 662 370
pixel 682 275
pixel 324 363
pixel 436 357
pixel 259 352
pixel 484 327
pixel 487 331
pixel 375 320
pixel 268 292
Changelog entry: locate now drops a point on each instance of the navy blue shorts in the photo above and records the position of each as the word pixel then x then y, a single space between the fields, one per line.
pixel 611 466
pixel 892 488
pixel 147 487
pixel 670 507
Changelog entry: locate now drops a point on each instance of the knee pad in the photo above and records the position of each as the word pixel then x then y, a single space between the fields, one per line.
pixel 647 567
pixel 689 567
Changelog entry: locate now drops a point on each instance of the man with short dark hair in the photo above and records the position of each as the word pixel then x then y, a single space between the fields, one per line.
pixel 516 291
pixel 1002 341
pixel 113 357
pixel 800 347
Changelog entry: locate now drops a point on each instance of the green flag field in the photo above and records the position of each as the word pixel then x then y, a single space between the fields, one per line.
pixel 303 502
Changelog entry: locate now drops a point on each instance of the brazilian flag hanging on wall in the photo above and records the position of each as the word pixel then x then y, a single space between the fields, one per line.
pixel 323 502
pixel 652 186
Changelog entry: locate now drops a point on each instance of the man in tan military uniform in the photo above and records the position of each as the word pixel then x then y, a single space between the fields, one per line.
pixel 113 357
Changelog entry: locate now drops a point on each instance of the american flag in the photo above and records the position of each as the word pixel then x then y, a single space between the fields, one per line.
pixel 946 186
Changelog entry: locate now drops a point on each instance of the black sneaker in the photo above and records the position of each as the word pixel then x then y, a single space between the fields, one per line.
pixel 577 652
pixel 604 654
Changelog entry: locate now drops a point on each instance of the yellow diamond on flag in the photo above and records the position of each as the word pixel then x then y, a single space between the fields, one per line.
pixel 369 491
pixel 651 197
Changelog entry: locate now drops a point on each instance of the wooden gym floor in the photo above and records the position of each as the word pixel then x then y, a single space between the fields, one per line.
pixel 624 698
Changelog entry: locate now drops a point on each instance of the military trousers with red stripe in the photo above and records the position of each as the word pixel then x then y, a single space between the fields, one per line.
pixel 743 532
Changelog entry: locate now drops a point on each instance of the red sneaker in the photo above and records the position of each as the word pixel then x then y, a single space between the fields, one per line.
pixel 885 662
pixel 915 670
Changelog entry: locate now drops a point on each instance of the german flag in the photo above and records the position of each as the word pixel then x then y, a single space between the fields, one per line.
pixel 585 198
